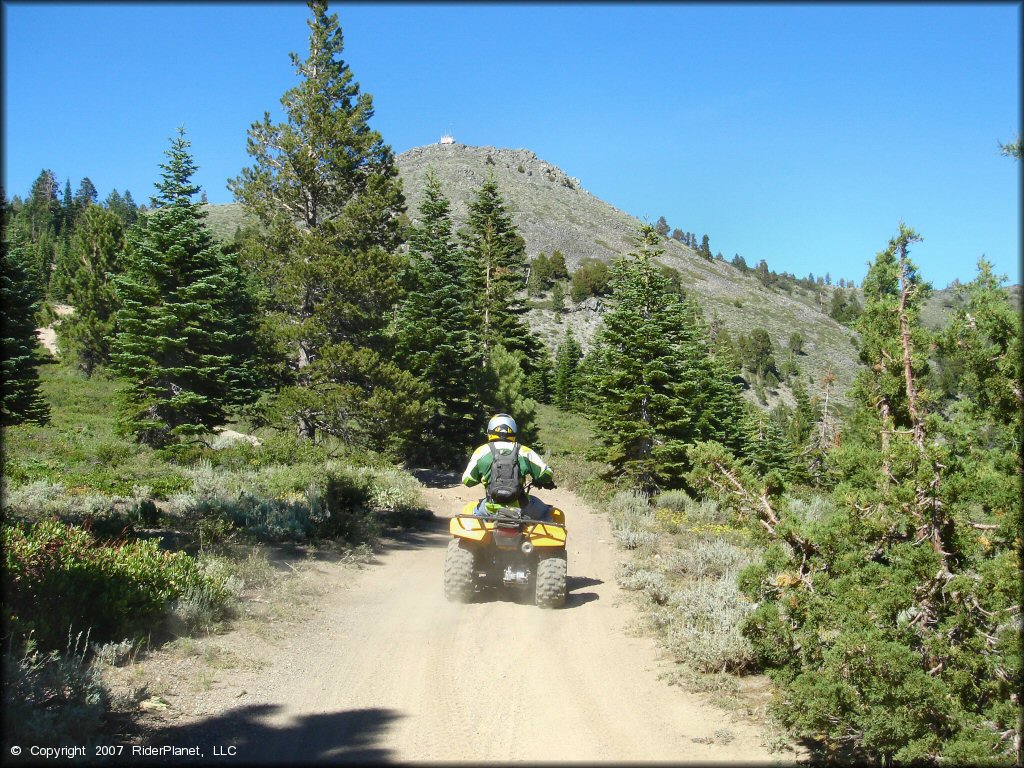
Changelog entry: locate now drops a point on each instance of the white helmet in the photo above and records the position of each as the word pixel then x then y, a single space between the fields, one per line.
pixel 502 427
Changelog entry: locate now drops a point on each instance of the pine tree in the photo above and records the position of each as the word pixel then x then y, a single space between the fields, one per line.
pixel 760 354
pixel 496 260
pixel 42 208
pixel 768 450
pixel 86 335
pixel 182 346
pixel 19 302
pixel 67 208
pixel 38 224
pixel 762 273
pixel 984 334
pixel 558 301
pixel 892 339
pixel 540 383
pixel 566 363
pixel 434 336
pixel 130 211
pixel 505 391
pixel 705 247
pixel 539 275
pixel 86 194
pixel 898 595
pixel 557 268
pixel 656 387
pixel 590 279
pixel 325 187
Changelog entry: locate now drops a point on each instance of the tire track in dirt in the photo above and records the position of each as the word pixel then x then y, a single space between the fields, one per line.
pixel 387 670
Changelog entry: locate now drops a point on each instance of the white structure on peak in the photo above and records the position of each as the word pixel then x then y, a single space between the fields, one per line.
pixel 447 139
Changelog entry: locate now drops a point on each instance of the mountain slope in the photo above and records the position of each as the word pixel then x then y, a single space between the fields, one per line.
pixel 554 212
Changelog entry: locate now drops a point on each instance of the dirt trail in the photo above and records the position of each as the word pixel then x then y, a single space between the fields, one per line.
pixel 387 670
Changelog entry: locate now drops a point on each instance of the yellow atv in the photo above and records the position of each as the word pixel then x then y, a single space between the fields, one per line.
pixel 506 549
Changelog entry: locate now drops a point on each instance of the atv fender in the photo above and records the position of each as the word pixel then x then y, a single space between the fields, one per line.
pixel 468 527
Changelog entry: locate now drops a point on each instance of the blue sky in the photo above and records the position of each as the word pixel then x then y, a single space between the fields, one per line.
pixel 800 134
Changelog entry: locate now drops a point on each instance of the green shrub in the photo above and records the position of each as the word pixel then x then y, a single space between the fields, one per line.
pixel 299 502
pixel 708 558
pixel 633 520
pixel 591 278
pixel 58 577
pixel 631 507
pixel 706 630
pixel 52 699
pixel 675 501
pixel 652 584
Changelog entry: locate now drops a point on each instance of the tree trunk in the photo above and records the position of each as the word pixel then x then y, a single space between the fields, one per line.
pixel 305 427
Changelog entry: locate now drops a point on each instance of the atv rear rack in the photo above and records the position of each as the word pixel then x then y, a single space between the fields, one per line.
pixel 497 519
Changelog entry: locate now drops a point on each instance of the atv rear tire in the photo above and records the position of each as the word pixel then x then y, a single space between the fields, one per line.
pixel 551 572
pixel 459 572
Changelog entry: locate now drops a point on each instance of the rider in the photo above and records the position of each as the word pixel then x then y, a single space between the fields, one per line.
pixel 501 439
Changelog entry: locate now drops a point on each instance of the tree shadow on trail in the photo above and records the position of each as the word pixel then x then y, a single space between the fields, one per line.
pixel 432 532
pixel 437 478
pixel 353 736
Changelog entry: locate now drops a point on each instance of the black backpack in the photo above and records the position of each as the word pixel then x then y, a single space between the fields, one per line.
pixel 504 485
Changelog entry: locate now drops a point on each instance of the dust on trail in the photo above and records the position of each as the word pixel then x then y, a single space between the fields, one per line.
pixel 387 670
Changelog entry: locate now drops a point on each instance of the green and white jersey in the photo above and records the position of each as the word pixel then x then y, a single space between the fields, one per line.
pixel 479 468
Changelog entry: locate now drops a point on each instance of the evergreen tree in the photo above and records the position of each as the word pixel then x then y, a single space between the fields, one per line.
pixel 655 385
pixel 539 275
pixel 540 383
pixel 896 595
pixel 566 363
pixel 496 261
pixel 19 302
pixel 325 187
pixel 675 279
pixel 130 212
pixel 42 208
pixel 590 279
pixel 728 351
pixel 768 450
pixel 86 335
pixel 558 301
pixel 506 391
pixel 705 247
pixel 762 273
pixel 86 194
pixel 67 207
pixel 182 346
pixel 800 425
pixel 983 334
pixel 892 339
pixel 122 206
pixel 760 354
pixel 37 226
pixel 557 268
pixel 661 227
pixel 434 336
